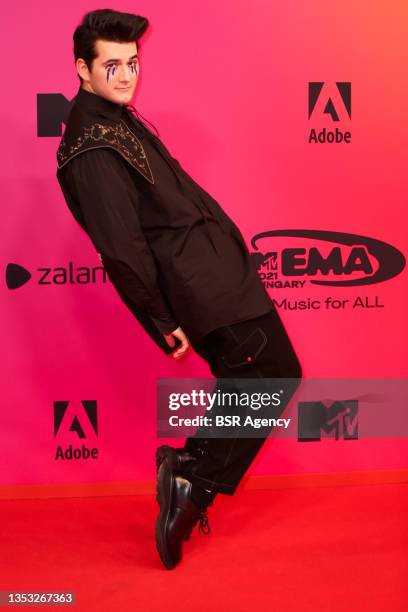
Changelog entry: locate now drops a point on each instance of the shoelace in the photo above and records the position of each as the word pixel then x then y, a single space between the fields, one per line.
pixel 202 519
pixel 203 526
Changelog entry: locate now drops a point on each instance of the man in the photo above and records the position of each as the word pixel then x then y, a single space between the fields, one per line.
pixel 176 259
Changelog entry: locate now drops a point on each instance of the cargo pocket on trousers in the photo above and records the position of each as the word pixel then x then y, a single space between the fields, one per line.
pixel 247 351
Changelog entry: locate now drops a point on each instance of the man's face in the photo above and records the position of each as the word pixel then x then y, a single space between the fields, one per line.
pixel 115 71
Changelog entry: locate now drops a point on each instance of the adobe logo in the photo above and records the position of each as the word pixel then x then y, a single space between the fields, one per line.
pixel 78 419
pixel 329 100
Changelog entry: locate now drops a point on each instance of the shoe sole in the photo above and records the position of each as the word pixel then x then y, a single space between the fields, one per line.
pixel 165 485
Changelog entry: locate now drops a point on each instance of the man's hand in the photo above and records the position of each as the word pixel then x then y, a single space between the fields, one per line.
pixel 178 333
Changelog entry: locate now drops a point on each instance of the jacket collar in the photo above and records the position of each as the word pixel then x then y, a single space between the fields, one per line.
pixel 96 122
pixel 96 104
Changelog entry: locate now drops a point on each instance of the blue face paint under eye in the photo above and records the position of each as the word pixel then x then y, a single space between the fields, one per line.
pixel 111 69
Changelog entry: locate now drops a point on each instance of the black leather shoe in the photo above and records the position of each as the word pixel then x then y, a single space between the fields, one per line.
pixel 177 458
pixel 177 517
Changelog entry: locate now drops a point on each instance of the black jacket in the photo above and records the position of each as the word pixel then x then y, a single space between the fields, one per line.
pixel 171 252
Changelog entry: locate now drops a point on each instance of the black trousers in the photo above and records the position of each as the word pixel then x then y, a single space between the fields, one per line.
pixel 256 348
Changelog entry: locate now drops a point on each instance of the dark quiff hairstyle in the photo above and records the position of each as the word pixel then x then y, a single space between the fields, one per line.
pixel 105 24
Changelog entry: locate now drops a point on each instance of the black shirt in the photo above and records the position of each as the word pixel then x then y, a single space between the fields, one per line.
pixel 168 245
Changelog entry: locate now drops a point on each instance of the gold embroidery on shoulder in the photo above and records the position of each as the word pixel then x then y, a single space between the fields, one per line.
pixel 116 136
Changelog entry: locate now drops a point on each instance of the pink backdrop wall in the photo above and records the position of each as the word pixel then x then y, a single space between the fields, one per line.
pixel 217 78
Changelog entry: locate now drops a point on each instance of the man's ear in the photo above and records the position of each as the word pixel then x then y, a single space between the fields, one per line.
pixel 82 69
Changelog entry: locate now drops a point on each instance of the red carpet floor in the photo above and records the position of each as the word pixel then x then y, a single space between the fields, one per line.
pixel 327 548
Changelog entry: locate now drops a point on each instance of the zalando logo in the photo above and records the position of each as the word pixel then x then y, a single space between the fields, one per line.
pixel 17 275
pixel 353 259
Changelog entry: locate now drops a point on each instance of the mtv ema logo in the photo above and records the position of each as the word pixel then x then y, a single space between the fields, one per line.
pixel 79 420
pixel 339 420
pixel 293 259
pixel 329 100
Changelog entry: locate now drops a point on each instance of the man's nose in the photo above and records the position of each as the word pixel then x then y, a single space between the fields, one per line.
pixel 124 73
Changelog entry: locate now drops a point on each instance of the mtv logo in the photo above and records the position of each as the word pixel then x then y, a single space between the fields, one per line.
pixel 52 111
pixel 339 420
pixel 268 260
